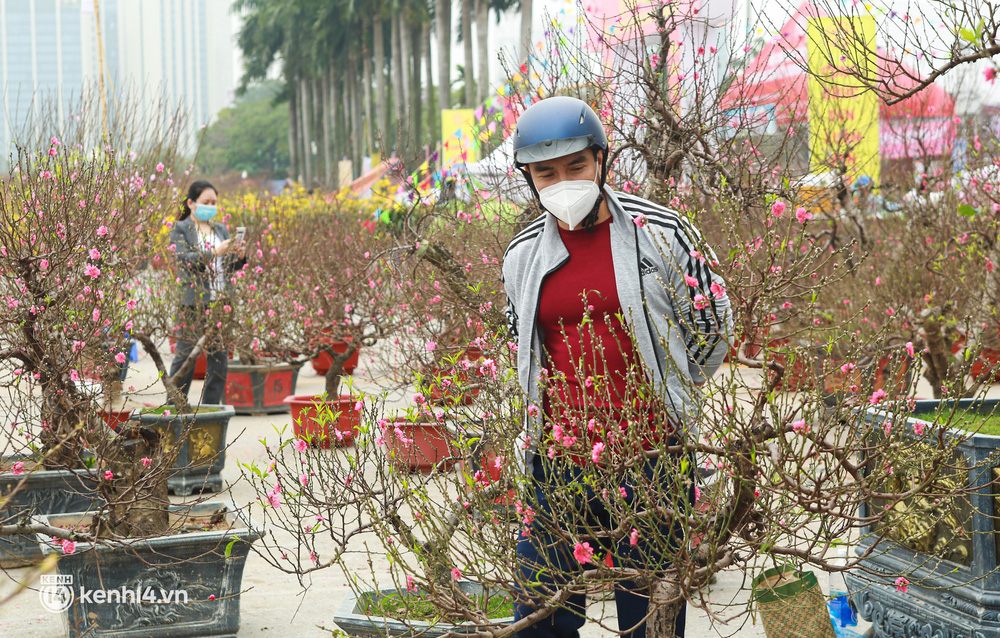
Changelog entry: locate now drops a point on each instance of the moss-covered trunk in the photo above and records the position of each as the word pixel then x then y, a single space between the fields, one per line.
pixel 136 489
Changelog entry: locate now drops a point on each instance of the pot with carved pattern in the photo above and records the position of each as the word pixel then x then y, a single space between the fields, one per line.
pixel 261 388
pixel 183 584
pixel 198 439
pixel 932 564
pixel 28 491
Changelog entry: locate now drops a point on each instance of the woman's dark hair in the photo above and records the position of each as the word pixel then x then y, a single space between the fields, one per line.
pixel 194 192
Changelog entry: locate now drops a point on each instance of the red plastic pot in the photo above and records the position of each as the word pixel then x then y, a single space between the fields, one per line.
pixel 419 446
pixel 480 473
pixel 114 418
pixel 443 393
pixel 307 421
pixel 322 362
pixel 988 359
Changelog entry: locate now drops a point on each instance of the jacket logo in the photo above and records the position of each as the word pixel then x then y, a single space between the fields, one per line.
pixel 646 267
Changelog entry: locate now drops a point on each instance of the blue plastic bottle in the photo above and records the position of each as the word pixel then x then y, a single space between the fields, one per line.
pixel 841 612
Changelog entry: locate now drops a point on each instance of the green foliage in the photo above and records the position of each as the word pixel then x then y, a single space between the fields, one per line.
pixel 418 607
pixel 251 136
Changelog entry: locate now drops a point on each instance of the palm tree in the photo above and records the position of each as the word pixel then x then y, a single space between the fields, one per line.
pixel 442 14
pixel 483 37
pixel 470 95
pixel 525 30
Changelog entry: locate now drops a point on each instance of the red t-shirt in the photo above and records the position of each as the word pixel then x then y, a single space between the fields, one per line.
pixel 589 274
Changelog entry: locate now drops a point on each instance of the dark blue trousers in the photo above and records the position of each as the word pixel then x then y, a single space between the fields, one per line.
pixel 540 555
pixel 192 319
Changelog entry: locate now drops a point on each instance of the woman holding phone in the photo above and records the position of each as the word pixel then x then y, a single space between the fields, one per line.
pixel 206 258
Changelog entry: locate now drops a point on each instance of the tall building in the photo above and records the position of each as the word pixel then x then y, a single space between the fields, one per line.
pixel 164 53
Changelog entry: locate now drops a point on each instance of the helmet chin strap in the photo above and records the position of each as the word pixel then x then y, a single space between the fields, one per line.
pixel 591 218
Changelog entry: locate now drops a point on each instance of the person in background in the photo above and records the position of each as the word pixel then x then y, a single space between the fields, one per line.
pixel 866 202
pixel 207 258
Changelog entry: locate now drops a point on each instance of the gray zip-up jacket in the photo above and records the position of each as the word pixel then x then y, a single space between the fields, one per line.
pixel 195 263
pixel 681 338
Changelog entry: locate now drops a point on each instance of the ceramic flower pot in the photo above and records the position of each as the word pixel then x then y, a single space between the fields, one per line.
pixel 201 439
pixel 42 492
pixel 324 423
pixel 179 585
pixel 948 548
pixel 322 362
pixel 353 620
pixel 421 446
pixel 261 389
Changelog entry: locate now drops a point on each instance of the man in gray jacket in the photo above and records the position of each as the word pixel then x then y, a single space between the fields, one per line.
pixel 618 284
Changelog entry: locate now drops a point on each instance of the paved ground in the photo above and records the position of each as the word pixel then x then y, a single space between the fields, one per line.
pixel 275 604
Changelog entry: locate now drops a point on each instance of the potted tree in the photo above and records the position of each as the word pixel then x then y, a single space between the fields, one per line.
pixel 193 434
pixel 79 226
pixel 184 582
pixel 66 270
pixel 317 285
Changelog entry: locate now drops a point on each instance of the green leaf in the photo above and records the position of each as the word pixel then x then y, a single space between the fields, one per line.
pixel 967 210
pixel 229 546
pixel 969 35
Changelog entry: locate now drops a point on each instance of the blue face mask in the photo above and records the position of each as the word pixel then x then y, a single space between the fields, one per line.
pixel 204 212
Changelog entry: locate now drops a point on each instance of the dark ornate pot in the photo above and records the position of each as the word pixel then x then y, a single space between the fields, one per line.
pixel 951 548
pixel 44 492
pixel 260 389
pixel 201 437
pixel 142 585
pixel 350 617
pixel 308 422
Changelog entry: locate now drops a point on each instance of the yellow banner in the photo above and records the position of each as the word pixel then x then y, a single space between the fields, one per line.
pixel 458 137
pixel 843 115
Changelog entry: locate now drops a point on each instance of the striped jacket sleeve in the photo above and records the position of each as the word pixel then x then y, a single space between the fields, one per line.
pixel 511 310
pixel 699 296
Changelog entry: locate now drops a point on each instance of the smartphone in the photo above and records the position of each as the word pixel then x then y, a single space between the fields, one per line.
pixel 241 232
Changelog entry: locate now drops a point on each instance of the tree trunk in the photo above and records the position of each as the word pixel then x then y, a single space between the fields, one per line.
pixel 317 108
pixel 470 95
pixel 397 86
pixel 483 48
pixel 443 26
pixel 380 88
pixel 937 369
pixel 406 80
pixel 366 84
pixel 293 136
pixel 347 99
pixel 138 500
pixel 327 103
pixel 526 42
pixel 661 623
pixel 359 124
pixel 338 142
pixel 416 96
pixel 306 119
pixel 433 116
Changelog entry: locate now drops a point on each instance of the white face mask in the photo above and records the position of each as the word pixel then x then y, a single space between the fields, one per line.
pixel 570 201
